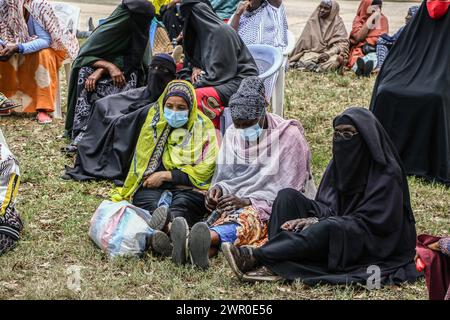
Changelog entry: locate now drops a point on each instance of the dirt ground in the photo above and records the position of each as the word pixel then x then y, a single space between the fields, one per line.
pixel 298 12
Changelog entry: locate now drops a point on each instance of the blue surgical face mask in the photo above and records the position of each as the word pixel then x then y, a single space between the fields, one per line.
pixel 252 133
pixel 176 119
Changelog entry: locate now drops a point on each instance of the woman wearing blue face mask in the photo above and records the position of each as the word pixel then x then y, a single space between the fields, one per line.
pixel 260 155
pixel 176 151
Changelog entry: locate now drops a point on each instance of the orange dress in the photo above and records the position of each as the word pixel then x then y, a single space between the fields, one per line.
pixel 32 79
pixel 372 37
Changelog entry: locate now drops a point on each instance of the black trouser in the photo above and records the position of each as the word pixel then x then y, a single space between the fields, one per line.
pixel 311 244
pixel 186 203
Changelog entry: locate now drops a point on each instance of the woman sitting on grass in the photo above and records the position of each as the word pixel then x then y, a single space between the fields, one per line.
pixel 110 61
pixel 217 56
pixel 368 25
pixel 385 41
pixel 176 151
pixel 33 46
pixel 323 45
pixel 259 156
pixel 112 131
pixel 361 217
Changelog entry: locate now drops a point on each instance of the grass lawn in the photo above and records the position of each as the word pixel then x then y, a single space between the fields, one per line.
pixel 57 215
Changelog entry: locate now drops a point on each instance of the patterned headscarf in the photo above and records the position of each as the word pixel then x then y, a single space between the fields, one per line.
pixel 249 102
pixel 179 89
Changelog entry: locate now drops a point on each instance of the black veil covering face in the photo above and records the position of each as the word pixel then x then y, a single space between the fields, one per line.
pixel 121 39
pixel 373 225
pixel 411 97
pixel 162 70
pixel 216 48
pixel 113 129
pixel 350 176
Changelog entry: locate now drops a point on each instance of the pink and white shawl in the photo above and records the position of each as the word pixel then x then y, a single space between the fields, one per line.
pixel 13 27
pixel 259 171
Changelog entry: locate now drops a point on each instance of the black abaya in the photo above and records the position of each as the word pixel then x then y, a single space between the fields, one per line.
pixel 373 225
pixel 411 97
pixel 172 21
pixel 216 48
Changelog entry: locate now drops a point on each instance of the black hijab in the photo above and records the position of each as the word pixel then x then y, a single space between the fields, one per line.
pixel 216 48
pixel 351 161
pixel 162 70
pixel 113 129
pixel 375 221
pixel 411 97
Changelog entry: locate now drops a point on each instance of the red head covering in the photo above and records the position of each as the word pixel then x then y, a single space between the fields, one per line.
pixel 437 8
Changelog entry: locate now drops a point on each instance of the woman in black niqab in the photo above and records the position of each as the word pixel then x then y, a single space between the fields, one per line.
pixel 215 48
pixel 113 129
pixel 361 216
pixel 411 97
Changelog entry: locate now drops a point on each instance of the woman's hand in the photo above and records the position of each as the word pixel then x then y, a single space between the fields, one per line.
pixel 230 203
pixel 324 57
pixel 212 198
pixel 299 224
pixel 8 50
pixel 196 73
pixel 435 246
pixel 91 81
pixel 155 180
pixel 117 76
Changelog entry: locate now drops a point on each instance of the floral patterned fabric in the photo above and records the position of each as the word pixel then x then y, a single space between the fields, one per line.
pixel 251 230
pixel 86 100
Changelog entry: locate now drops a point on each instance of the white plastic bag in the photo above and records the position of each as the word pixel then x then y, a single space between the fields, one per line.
pixel 120 229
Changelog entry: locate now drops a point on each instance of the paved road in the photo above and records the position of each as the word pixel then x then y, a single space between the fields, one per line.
pixel 298 12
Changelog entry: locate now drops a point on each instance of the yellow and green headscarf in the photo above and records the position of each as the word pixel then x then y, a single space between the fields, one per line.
pixel 158 4
pixel 192 149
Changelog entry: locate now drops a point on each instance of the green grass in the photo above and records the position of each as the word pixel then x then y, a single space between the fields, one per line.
pixel 57 215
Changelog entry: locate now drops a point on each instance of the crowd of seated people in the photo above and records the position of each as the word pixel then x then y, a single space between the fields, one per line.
pixel 151 125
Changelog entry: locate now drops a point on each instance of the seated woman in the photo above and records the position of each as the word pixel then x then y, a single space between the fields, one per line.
pixel 385 41
pixel 218 56
pixel 260 155
pixel 176 151
pixel 113 129
pixel 112 60
pixel 368 25
pixel 261 22
pixel 33 46
pixel 224 8
pixel 361 217
pixel 417 116
pixel 323 45
pixel 10 222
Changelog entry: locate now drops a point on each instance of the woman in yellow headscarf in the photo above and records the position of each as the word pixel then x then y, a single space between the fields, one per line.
pixel 176 152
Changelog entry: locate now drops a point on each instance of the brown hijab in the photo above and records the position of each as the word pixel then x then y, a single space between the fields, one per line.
pixel 320 34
